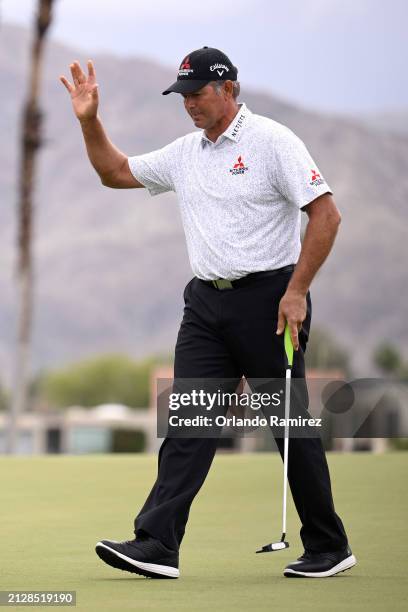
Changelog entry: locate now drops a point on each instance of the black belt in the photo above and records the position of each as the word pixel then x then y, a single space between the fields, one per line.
pixel 223 283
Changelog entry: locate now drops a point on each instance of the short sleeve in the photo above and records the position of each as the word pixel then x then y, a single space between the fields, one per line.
pixel 157 170
pixel 296 175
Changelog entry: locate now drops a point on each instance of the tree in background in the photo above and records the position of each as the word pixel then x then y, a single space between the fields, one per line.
pixel 3 398
pixel 324 353
pixel 30 144
pixel 389 360
pixel 106 379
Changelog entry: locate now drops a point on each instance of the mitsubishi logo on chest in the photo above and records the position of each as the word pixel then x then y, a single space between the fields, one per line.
pixel 239 167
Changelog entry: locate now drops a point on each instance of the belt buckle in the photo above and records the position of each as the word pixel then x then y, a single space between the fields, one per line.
pixel 222 283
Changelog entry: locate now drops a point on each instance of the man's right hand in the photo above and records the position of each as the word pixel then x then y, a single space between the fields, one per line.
pixel 110 163
pixel 84 91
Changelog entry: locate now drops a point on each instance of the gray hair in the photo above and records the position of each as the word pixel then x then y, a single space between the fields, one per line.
pixel 218 85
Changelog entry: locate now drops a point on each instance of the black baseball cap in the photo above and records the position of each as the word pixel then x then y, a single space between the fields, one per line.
pixel 199 68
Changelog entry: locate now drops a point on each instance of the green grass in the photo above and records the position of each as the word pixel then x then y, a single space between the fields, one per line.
pixel 54 509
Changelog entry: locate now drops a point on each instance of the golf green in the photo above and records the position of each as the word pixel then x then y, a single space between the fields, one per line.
pixel 55 508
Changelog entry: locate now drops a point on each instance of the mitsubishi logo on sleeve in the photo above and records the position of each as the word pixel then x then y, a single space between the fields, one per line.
pixel 239 167
pixel 316 179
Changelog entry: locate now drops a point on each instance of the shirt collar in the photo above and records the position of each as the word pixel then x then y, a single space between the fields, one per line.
pixel 234 130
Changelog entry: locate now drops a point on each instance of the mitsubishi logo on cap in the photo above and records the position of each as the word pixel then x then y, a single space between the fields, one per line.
pixel 185 68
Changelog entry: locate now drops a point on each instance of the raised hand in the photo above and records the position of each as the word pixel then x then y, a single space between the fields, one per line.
pixel 84 91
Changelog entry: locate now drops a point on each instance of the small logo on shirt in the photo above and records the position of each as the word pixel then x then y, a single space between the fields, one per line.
pixel 237 126
pixel 316 179
pixel 239 167
pixel 185 67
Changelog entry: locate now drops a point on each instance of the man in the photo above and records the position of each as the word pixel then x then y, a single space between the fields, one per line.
pixel 241 184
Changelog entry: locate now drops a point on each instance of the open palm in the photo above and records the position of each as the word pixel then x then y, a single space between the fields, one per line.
pixel 83 92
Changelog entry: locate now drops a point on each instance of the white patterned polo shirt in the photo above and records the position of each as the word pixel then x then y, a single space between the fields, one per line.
pixel 240 197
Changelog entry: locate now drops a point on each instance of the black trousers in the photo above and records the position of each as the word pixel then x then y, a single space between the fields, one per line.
pixel 230 334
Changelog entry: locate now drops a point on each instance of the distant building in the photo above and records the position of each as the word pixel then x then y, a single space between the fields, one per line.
pixel 116 428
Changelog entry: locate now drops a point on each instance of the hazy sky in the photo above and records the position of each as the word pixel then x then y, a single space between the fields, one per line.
pixel 333 55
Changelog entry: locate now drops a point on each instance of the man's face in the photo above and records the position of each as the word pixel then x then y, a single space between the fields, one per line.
pixel 205 106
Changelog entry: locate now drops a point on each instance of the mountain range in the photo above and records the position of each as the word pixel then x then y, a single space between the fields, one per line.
pixel 110 265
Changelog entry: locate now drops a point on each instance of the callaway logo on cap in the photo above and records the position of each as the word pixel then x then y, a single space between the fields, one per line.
pixel 200 67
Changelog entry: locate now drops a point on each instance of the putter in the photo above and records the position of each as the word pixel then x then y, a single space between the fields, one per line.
pixel 273 546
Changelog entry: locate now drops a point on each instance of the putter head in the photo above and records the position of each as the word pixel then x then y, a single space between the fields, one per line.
pixel 273 547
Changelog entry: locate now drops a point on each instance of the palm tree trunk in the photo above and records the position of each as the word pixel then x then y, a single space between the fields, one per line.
pixel 30 144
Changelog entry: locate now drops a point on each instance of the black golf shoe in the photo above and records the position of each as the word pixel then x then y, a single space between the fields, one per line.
pixel 145 556
pixel 320 565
